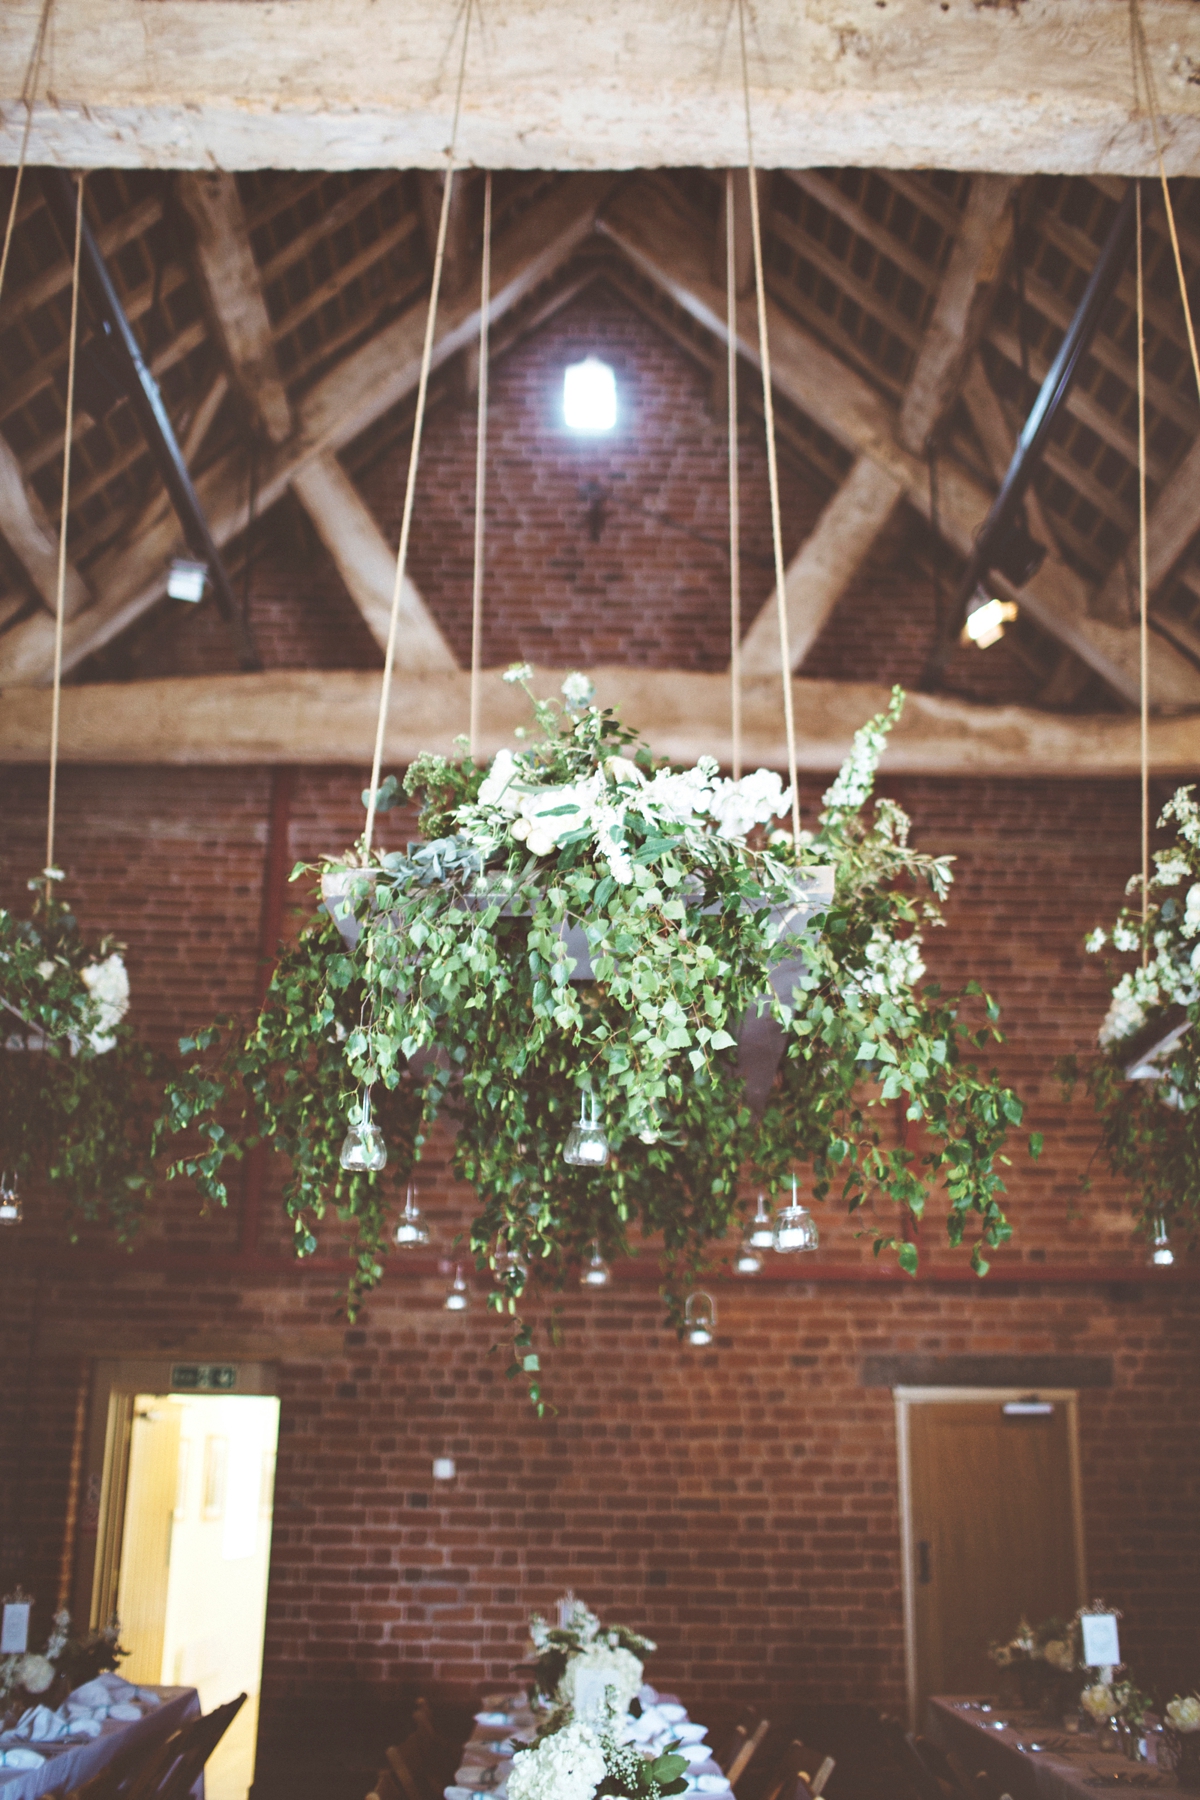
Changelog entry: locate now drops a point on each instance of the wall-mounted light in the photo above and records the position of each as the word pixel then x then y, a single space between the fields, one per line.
pixel 987 620
pixel 186 579
pixel 589 396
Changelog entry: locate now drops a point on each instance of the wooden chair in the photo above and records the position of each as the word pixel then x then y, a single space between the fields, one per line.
pixel 420 1767
pixel 745 1746
pixel 800 1774
pixel 163 1770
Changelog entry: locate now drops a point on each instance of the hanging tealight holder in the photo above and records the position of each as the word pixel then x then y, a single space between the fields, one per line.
pixel 760 1233
pixel 700 1318
pixel 363 1149
pixel 11 1211
pixel 596 1272
pixel 1160 1254
pixel 507 1261
pixel 795 1227
pixel 459 1297
pixel 412 1233
pixel 587 1142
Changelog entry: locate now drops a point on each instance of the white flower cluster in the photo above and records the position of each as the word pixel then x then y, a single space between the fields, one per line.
pixel 1184 1715
pixel 856 777
pixel 108 984
pixel 511 804
pixel 602 1667
pixel 569 1765
pixel 894 964
pixel 1099 1701
pixel 1161 983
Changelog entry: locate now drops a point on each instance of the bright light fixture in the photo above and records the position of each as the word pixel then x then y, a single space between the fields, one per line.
pixel 589 396
pixel 985 625
pixel 185 579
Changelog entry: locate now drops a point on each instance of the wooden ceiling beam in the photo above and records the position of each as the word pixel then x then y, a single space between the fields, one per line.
pixel 33 540
pixel 666 249
pixel 328 716
pixel 354 395
pixel 1173 522
pixel 367 565
pixel 234 296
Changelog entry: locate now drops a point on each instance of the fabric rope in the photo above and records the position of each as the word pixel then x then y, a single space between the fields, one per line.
pixel 1142 58
pixel 1143 585
pixel 389 659
pixel 764 351
pixel 28 92
pixel 485 295
pixel 61 593
pixel 735 523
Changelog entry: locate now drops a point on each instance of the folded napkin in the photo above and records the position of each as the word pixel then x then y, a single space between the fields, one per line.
pixel 20 1758
pixel 40 1726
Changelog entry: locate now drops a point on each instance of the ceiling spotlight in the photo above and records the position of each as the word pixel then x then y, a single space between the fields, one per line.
pixel 986 621
pixel 186 579
pixel 589 396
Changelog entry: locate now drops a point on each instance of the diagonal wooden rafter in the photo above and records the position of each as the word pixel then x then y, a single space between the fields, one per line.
pixel 1172 524
pixel 367 565
pixel 336 410
pixel 668 250
pixel 234 294
pixel 828 561
pixel 32 539
pixel 324 716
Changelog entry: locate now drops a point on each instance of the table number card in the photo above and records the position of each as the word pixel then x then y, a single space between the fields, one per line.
pixel 1100 1646
pixel 14 1628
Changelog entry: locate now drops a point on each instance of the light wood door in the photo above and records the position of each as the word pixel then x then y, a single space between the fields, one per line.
pixel 993 1525
pixel 146 1542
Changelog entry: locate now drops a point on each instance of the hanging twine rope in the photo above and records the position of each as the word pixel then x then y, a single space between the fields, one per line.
pixel 389 659
pixel 60 599
pixel 28 91
pixel 485 297
pixel 764 351
pixel 735 523
pixel 1142 60
pixel 1143 585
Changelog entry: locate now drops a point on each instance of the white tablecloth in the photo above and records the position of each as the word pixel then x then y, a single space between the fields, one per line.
pixel 488 1752
pixel 67 1764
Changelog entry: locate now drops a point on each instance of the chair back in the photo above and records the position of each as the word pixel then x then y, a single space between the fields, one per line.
pixel 800 1774
pixel 165 1769
pixel 746 1753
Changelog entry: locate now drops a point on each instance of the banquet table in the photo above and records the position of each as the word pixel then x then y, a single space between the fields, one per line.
pixel 488 1752
pixel 1030 1759
pixel 67 1763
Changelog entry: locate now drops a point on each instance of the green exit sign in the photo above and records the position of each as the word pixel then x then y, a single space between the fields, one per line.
pixel 204 1378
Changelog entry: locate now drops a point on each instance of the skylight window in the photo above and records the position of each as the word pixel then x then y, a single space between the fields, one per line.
pixel 589 396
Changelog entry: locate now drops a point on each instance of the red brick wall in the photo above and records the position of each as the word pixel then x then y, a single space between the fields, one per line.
pixel 740 1502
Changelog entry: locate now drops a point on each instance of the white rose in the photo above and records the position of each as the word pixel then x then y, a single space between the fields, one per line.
pixel 1098 1701
pixel 35 1673
pixel 496 786
pixel 1184 1715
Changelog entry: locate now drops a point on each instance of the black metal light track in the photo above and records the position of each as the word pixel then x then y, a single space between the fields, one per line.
pixel 1005 512
pixel 124 357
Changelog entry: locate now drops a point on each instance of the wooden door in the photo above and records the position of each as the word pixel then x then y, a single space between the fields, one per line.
pixel 993 1534
pixel 146 1542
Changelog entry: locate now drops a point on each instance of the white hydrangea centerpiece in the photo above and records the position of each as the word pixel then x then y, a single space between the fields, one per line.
pixel 602 1668
pixel 568 1765
pixel 1184 1714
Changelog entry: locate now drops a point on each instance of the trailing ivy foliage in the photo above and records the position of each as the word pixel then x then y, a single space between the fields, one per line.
pixel 286 1081
pixel 462 952
pixel 77 1100
pixel 1150 1129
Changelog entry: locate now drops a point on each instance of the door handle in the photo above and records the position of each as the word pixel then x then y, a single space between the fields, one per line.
pixel 924 1570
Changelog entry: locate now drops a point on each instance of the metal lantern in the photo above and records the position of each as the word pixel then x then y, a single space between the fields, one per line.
pixel 596 1272
pixel 587 1142
pixel 412 1233
pixel 795 1227
pixel 11 1211
pixel 700 1318
pixel 363 1149
pixel 459 1297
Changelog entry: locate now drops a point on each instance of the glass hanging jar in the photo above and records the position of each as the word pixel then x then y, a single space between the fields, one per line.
pixel 700 1318
pixel 11 1210
pixel 459 1297
pixel 795 1227
pixel 412 1233
pixel 596 1272
pixel 364 1151
pixel 587 1142
pixel 760 1232
pixel 1160 1254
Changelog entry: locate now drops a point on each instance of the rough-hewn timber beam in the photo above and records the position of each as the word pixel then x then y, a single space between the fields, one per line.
pixel 636 83
pixel 32 539
pixel 235 298
pixel 1173 522
pixel 667 249
pixel 328 716
pixel 354 395
pixel 819 574
pixel 367 565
